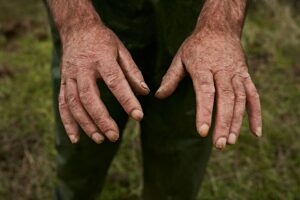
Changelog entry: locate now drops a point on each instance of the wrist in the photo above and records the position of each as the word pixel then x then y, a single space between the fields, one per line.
pixel 78 25
pixel 209 32
pixel 73 16
pixel 224 17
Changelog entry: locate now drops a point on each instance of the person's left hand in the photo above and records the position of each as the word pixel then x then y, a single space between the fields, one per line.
pixel 216 62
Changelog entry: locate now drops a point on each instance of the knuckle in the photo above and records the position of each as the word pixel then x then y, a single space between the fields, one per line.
pixel 136 72
pixel 69 127
pixel 85 95
pixel 222 128
pixel 97 115
pixel 98 118
pixel 228 93
pixel 86 99
pixel 254 94
pixel 104 125
pixel 208 89
pixel 113 80
pixel 67 122
pixel 72 100
pixel 77 115
pixel 210 96
pixel 61 101
pixel 68 130
pixel 226 124
pixel 240 97
pixel 62 106
pixel 203 78
pixel 238 114
pixel 85 89
pixel 86 125
pixel 126 100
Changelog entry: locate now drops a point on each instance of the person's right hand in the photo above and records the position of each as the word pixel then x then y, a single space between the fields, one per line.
pixel 91 53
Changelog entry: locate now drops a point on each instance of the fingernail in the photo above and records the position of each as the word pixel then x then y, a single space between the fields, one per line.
pixel 158 91
pixel 221 143
pixel 113 136
pixel 232 138
pixel 258 132
pixel 74 139
pixel 137 114
pixel 144 85
pixel 98 138
pixel 203 131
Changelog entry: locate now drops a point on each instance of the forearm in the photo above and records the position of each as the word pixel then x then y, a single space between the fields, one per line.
pixel 222 16
pixel 73 15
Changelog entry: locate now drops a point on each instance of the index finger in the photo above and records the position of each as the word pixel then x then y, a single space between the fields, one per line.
pixel 114 78
pixel 205 93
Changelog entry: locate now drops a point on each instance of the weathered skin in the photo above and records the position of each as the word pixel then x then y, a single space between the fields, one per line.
pixel 91 51
pixel 212 56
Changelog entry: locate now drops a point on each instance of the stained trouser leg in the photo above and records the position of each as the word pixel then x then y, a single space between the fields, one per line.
pixel 82 167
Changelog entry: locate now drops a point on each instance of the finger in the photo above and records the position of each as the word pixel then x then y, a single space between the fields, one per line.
pixel 225 105
pixel 253 107
pixel 68 121
pixel 132 72
pixel 205 93
pixel 118 85
pixel 239 109
pixel 171 79
pixel 90 98
pixel 80 114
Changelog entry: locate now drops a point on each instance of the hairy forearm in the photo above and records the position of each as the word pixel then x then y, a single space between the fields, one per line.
pixel 73 15
pixel 222 16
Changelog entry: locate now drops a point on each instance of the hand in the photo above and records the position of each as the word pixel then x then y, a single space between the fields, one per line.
pixel 91 53
pixel 217 65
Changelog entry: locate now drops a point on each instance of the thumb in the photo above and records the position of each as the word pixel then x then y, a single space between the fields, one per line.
pixel 171 79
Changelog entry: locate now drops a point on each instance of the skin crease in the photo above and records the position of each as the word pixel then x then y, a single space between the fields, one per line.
pixel 214 58
pixel 212 55
pixel 92 51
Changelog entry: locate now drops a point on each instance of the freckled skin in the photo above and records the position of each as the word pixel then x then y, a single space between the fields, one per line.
pixel 212 55
pixel 92 51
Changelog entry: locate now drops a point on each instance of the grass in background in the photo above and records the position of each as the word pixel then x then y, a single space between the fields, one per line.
pixel 26 122
pixel 252 169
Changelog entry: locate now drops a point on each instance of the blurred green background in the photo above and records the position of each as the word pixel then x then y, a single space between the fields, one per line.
pixel 268 168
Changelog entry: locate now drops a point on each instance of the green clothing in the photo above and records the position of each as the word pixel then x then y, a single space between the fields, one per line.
pixel 174 156
pixel 139 22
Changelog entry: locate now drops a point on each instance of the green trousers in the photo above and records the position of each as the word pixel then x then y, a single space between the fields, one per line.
pixel 174 155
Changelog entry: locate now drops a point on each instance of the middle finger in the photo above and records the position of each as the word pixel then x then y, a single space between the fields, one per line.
pixel 90 98
pixel 225 105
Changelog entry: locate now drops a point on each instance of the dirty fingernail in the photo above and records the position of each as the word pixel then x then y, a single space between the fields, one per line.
pixel 137 114
pixel 203 131
pixel 98 138
pixel 221 143
pixel 74 139
pixel 258 132
pixel 232 138
pixel 113 136
pixel 144 85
